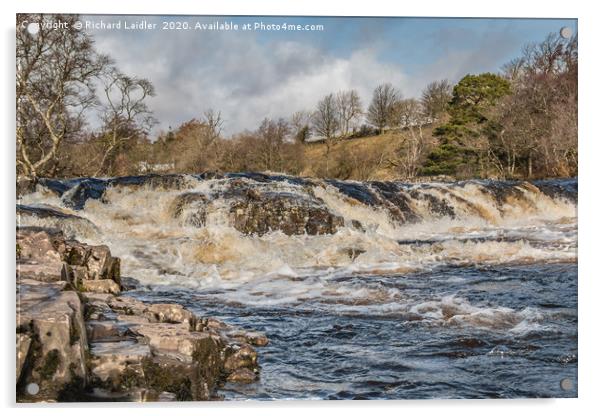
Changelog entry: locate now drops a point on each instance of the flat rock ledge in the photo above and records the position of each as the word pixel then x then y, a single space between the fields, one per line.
pixel 79 338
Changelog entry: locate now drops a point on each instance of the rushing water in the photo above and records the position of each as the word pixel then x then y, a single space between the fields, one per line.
pixel 465 290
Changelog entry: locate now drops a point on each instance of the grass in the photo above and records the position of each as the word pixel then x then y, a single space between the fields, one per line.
pixel 365 158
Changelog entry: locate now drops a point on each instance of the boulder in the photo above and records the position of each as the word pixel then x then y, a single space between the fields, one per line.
pixel 39 254
pixel 240 356
pixel 171 313
pixel 176 341
pixel 44 254
pixel 253 210
pixel 242 375
pixel 260 213
pixel 53 319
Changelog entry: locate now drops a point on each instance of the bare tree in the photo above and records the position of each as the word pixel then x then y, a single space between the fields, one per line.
pixel 55 85
pixel 435 97
pixel 538 133
pixel 349 108
pixel 125 113
pixel 406 159
pixel 214 122
pixel 381 110
pixel 408 113
pixel 300 124
pixel 271 138
pixel 326 122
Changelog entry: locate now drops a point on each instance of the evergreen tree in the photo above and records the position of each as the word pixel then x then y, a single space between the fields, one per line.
pixel 462 140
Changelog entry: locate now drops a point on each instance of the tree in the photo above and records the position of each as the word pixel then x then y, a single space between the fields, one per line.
pixel 326 122
pixel 126 115
pixel 539 119
pixel 55 77
pixel 214 123
pixel 409 115
pixel 349 108
pixel 300 125
pixel 435 98
pixel 381 111
pixel 463 141
pixel 271 138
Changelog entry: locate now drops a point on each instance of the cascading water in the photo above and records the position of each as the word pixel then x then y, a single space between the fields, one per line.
pixel 375 289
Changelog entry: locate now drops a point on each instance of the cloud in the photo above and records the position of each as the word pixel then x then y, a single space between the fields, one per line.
pixel 250 76
pixel 247 80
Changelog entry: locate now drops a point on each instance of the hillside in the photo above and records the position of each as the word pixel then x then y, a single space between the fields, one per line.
pixel 365 158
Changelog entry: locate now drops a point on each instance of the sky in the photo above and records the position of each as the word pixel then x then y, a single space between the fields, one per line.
pixel 249 75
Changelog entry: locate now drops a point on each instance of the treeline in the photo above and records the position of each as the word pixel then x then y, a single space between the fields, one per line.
pixel 520 123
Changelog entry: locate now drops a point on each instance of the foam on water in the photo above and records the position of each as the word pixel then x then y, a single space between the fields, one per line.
pixel 440 224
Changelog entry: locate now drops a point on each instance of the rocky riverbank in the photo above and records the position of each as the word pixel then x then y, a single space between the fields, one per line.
pixel 81 338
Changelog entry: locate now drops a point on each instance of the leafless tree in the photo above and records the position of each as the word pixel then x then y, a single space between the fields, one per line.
pixel 272 136
pixel 326 122
pixel 125 113
pixel 349 108
pixel 55 85
pixel 214 122
pixel 435 97
pixel 300 123
pixel 538 133
pixel 381 110
pixel 409 114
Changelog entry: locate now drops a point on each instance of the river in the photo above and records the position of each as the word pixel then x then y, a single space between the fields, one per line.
pixel 375 290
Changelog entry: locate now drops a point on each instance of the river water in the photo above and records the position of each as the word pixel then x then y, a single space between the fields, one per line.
pixel 435 290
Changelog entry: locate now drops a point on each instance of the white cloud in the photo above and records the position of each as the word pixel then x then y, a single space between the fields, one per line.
pixel 245 79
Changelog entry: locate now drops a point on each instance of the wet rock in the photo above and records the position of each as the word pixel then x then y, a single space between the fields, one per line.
pixel 352 252
pixel 253 210
pixel 129 283
pixel 251 337
pixel 192 206
pixel 100 286
pixel 175 340
pixel 240 356
pixel 52 217
pixel 242 375
pixel 260 213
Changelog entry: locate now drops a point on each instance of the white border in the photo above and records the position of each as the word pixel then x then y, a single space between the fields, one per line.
pixel 590 154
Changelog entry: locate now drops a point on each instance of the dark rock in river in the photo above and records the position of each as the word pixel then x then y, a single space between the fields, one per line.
pixel 252 210
pixel 260 213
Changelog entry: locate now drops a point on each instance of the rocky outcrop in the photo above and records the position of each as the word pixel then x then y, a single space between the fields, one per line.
pixel 78 338
pixel 252 210
pixel 50 319
pixel 262 212
pixel 44 254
